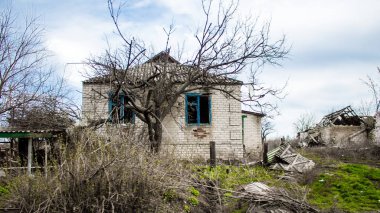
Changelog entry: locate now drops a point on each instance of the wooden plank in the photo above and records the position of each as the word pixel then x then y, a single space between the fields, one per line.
pixel 46 159
pixel 212 154
pixel 30 155
pixel 286 149
pixel 289 155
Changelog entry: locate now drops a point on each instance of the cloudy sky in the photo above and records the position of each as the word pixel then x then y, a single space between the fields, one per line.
pixel 333 43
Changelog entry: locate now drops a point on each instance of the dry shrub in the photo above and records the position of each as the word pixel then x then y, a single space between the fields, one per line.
pixel 309 176
pixel 357 153
pixel 105 174
pixel 291 199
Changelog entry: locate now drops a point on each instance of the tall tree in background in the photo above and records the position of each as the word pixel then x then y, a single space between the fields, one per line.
pixel 22 62
pixel 304 122
pixel 26 81
pixel 374 89
pixel 227 46
pixel 267 128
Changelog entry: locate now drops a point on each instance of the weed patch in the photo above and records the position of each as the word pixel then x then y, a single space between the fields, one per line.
pixel 352 188
pixel 229 177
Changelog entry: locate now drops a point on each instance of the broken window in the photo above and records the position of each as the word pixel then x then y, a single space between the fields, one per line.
pixel 118 109
pixel 198 109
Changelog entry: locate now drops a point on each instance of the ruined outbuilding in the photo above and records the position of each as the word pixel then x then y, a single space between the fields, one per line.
pixel 341 128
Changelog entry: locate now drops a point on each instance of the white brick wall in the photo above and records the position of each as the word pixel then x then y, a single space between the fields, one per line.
pixel 188 141
pixel 225 129
pixel 95 102
pixel 252 135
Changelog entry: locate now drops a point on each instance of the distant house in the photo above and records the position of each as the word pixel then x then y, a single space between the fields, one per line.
pixel 200 116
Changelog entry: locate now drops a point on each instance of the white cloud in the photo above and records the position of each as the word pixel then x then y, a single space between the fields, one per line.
pixel 334 43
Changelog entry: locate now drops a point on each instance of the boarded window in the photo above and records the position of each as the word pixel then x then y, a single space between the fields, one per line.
pixel 198 109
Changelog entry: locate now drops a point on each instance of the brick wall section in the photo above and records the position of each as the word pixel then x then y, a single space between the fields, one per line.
pixel 252 136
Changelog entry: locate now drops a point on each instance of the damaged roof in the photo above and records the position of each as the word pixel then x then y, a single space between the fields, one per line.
pixel 345 116
pixel 163 65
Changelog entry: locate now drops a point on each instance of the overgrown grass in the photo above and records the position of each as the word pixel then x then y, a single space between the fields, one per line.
pixel 351 187
pixel 105 173
pixel 327 156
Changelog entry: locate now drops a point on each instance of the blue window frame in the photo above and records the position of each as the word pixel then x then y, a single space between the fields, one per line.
pixel 117 110
pixel 198 109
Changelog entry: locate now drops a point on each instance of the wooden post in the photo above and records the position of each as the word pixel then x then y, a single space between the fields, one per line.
pixel 265 153
pixel 46 159
pixel 30 156
pixel 212 154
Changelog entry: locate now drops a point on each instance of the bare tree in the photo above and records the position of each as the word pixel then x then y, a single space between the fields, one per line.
pixel 267 128
pixel 304 122
pixel 365 108
pixel 32 95
pixel 226 47
pixel 53 110
pixel 23 74
pixel 374 88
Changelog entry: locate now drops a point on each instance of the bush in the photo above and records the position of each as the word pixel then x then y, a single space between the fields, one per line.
pixel 101 173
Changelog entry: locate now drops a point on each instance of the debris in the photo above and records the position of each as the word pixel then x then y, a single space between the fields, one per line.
pixel 286 158
pixel 257 188
pixel 263 198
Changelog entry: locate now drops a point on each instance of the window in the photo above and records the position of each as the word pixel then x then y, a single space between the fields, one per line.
pixel 198 109
pixel 118 111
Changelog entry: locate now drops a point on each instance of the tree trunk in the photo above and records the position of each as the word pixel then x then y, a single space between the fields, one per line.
pixel 156 142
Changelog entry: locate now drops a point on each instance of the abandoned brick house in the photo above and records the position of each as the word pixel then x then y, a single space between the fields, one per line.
pixel 200 117
pixel 341 128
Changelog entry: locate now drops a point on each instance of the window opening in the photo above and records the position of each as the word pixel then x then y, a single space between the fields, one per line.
pixel 198 109
pixel 118 110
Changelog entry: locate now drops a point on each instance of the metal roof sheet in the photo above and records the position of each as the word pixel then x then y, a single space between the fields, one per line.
pixel 172 70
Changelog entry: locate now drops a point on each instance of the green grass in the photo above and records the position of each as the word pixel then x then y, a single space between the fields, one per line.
pixel 229 177
pixel 351 187
pixel 3 191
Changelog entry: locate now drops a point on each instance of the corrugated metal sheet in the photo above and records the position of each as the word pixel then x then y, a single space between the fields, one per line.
pixel 29 133
pixel 174 72
pixel 17 130
pixel 275 152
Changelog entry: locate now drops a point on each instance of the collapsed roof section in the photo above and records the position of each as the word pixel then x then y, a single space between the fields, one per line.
pixel 344 117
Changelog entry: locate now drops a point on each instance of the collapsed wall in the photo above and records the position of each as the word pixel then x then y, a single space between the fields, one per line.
pixel 343 136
